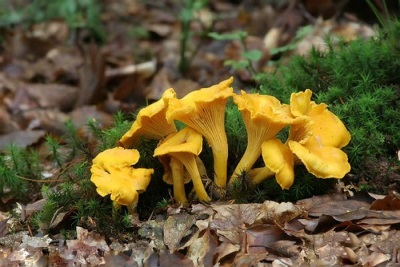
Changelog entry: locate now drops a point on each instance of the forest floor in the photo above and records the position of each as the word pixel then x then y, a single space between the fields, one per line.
pixel 51 72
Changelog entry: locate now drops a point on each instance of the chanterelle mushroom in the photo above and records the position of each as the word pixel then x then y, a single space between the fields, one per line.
pixel 318 144
pixel 264 116
pixel 174 174
pixel 150 122
pixel 185 146
pixel 204 111
pixel 315 140
pixel 113 174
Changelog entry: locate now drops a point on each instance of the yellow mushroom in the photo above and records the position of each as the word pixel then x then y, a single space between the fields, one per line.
pixel 174 174
pixel 204 111
pixel 315 140
pixel 264 116
pixel 113 174
pixel 320 151
pixel 185 146
pixel 150 122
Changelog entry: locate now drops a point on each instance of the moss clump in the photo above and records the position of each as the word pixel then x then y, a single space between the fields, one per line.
pixel 360 83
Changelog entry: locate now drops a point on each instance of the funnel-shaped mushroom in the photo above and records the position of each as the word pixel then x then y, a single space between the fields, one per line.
pixel 204 111
pixel 315 139
pixel 264 116
pixel 174 174
pixel 112 173
pixel 150 122
pixel 318 143
pixel 185 146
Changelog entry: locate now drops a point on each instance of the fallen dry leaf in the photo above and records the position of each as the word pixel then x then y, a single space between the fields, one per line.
pixel 21 138
pixel 177 227
pixel 230 221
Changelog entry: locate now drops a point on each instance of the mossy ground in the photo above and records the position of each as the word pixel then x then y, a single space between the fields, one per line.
pixel 359 82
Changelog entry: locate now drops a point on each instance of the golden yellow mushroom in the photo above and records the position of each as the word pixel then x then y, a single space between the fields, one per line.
pixel 204 111
pixel 113 174
pixel 174 174
pixel 315 140
pixel 150 122
pixel 264 116
pixel 185 146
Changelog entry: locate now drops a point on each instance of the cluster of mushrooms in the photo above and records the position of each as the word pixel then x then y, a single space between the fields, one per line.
pixel 315 139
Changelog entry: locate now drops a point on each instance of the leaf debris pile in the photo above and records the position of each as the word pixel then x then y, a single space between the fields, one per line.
pixel 322 230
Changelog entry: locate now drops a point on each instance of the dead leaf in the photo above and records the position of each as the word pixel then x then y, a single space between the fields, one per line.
pixel 7 124
pixel 375 258
pixel 334 208
pixel 21 138
pixel 3 227
pixel 352 215
pixel 389 202
pixel 36 242
pixel 225 249
pixel 175 259
pixel 201 248
pixel 230 221
pixel 175 228
pixel 91 77
pixel 31 208
pixel 269 239
pixel 51 120
pixel 49 95
pixel 274 212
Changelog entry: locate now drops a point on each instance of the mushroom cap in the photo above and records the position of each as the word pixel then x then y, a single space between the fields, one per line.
pixel 258 108
pixel 150 122
pixel 318 122
pixel 193 103
pixel 185 146
pixel 264 116
pixel 279 159
pixel 112 174
pixel 323 162
pixel 117 157
pixel 186 140
pixel 204 111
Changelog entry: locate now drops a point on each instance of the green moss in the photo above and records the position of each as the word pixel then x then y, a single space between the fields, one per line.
pixel 359 82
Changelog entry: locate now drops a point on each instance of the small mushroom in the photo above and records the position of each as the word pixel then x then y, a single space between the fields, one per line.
pixel 113 174
pixel 204 111
pixel 150 122
pixel 315 140
pixel 174 174
pixel 185 146
pixel 318 142
pixel 264 116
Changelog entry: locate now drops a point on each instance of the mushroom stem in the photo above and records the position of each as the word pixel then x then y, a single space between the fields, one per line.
pixel 250 156
pixel 220 155
pixel 191 166
pixel 178 180
pixel 260 174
